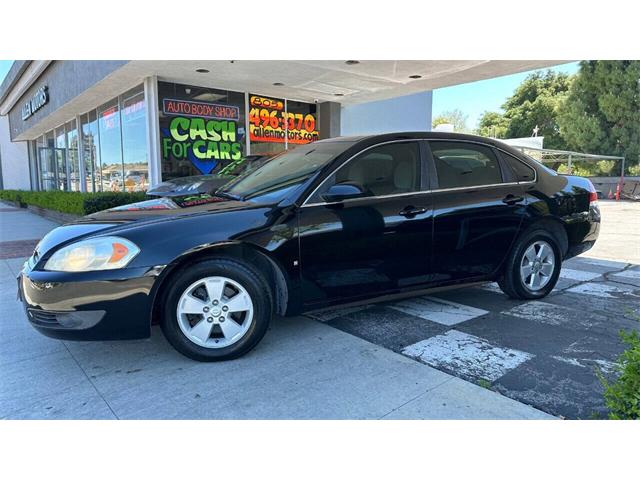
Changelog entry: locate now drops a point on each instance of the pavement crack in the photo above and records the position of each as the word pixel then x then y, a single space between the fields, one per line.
pixel 90 381
pixel 416 397
pixel 604 275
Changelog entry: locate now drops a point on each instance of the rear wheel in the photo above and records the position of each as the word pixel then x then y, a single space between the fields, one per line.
pixel 533 267
pixel 218 309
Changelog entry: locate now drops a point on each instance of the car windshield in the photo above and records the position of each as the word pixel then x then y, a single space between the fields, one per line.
pixel 244 165
pixel 281 174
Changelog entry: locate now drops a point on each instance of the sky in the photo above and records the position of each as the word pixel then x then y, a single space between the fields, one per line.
pixel 5 65
pixel 486 95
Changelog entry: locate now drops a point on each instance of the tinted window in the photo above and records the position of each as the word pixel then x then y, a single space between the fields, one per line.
pixel 385 170
pixel 465 164
pixel 523 172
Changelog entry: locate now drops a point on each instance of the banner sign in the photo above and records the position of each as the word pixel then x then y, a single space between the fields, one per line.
pixel 189 108
pixel 201 141
pixel 269 122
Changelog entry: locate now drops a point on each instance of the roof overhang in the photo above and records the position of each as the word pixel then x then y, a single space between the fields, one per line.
pixel 333 80
pixel 303 80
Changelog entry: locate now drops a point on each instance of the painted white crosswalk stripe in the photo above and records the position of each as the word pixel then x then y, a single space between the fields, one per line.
pixel 579 275
pixel 438 310
pixel 468 355
pixel 542 312
pixel 628 274
pixel 602 263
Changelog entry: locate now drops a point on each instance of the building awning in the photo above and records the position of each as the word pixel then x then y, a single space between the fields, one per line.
pixel 347 82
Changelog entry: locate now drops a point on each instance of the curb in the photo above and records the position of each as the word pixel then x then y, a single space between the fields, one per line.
pixel 53 215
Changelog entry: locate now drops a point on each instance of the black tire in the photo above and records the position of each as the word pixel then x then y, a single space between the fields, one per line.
pixel 250 278
pixel 511 282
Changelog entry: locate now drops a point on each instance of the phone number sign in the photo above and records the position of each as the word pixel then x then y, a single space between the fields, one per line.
pixel 269 122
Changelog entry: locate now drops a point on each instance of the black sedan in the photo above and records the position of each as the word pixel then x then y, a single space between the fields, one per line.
pixel 333 222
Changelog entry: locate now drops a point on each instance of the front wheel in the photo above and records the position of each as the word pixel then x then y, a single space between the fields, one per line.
pixel 533 267
pixel 217 309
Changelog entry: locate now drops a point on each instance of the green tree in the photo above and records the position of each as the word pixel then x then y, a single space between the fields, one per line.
pixel 492 124
pixel 537 102
pixel 454 117
pixel 601 113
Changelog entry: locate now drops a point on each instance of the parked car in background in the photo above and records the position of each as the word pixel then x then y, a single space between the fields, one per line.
pixel 333 222
pixel 135 180
pixel 207 183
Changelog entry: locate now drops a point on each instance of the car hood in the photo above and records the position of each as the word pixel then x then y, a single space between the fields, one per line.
pixel 148 211
pixel 189 186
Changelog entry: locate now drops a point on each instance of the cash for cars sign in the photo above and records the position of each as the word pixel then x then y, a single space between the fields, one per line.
pixel 269 122
pixel 201 132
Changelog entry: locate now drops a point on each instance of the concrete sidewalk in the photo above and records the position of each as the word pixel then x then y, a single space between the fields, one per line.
pixel 302 369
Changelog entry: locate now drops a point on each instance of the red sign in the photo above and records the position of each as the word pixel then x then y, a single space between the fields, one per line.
pixel 188 108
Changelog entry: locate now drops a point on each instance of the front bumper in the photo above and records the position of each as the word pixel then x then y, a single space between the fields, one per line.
pixel 105 305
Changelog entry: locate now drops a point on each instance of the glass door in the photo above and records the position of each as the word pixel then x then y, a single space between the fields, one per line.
pixel 48 171
pixel 61 168
pixel 60 153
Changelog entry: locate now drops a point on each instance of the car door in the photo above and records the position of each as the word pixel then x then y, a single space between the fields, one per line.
pixel 478 210
pixel 376 243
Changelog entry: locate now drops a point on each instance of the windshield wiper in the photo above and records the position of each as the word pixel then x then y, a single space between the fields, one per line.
pixel 222 193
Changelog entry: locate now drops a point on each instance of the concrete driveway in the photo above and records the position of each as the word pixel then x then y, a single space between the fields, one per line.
pixel 302 369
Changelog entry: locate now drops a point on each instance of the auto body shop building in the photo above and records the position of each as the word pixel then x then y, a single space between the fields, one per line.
pixel 112 125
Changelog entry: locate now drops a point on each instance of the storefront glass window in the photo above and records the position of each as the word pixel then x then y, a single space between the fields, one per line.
pixel 60 155
pixel 113 139
pixel 73 163
pixel 134 141
pixel 91 151
pixel 111 170
pixel 267 124
pixel 201 129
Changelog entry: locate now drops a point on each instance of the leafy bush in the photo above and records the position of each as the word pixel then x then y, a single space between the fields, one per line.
pixel 76 203
pixel 634 170
pixel 623 396
pixel 96 202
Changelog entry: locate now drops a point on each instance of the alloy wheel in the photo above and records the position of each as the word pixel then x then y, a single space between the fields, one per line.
pixel 537 265
pixel 215 312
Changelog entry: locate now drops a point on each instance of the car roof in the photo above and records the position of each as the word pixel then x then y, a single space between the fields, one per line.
pixel 365 140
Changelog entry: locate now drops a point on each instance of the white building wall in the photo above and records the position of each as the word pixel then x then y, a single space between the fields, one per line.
pixel 398 114
pixel 15 160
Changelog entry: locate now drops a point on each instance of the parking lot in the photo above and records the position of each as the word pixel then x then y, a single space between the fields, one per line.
pixel 469 353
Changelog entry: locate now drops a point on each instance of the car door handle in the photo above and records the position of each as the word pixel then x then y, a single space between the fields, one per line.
pixel 512 199
pixel 412 211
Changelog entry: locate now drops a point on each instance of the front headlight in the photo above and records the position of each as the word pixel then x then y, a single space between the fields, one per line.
pixel 101 253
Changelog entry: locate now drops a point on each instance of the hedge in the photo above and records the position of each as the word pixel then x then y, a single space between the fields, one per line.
pixel 76 203
pixel 622 397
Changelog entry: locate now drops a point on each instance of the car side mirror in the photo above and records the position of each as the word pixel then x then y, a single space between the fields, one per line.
pixel 342 191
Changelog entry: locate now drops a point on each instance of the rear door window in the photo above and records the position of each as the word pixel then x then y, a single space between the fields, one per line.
pixel 461 164
pixel 522 171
